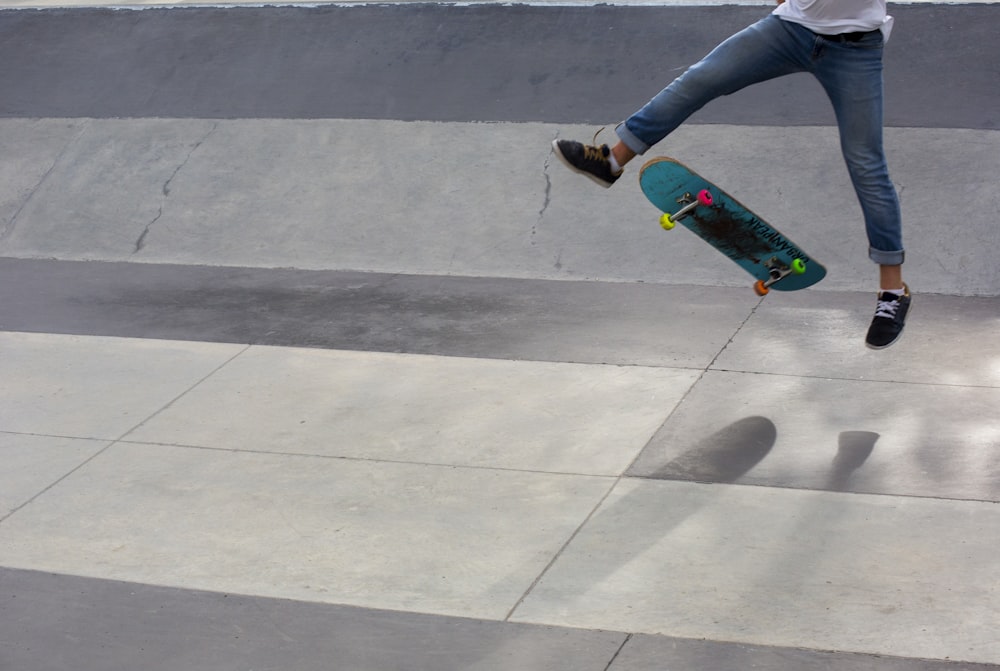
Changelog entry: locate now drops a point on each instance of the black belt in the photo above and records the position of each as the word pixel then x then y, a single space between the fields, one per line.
pixel 849 37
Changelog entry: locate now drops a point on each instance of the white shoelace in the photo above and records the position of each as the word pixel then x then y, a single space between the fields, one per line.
pixel 887 309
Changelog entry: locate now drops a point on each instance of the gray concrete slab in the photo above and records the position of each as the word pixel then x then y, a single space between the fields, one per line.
pixel 814 433
pixel 65 622
pixel 68 622
pixel 785 362
pixel 793 568
pixel 33 463
pixel 654 653
pixel 103 187
pixel 499 318
pixel 544 417
pixel 290 194
pixel 372 531
pixel 96 388
pixel 515 63
pixel 406 537
pixel 949 341
pixel 37 146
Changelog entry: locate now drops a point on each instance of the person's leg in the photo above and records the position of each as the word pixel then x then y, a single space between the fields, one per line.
pixel 767 49
pixel 891 277
pixel 851 74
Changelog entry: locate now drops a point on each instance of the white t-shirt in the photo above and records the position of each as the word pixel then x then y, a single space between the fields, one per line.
pixel 832 17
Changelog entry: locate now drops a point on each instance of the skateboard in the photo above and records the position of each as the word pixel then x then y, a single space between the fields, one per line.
pixel 687 198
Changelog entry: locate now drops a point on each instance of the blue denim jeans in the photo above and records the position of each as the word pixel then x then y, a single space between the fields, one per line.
pixel 849 72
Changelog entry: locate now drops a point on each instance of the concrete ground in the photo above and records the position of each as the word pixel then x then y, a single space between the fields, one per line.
pixel 314 358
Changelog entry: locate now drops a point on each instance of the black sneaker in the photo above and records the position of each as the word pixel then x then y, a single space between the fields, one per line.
pixel 588 160
pixel 890 317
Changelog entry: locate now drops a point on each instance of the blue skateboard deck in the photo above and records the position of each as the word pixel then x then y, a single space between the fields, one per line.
pixel 722 221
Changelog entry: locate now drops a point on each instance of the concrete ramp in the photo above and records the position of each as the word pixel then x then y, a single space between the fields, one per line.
pixel 476 199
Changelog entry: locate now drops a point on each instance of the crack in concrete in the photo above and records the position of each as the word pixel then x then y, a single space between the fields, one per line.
pixel 10 225
pixel 548 187
pixel 140 243
pixel 547 195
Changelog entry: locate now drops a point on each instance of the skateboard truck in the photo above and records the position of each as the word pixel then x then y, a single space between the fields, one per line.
pixel 778 271
pixel 689 202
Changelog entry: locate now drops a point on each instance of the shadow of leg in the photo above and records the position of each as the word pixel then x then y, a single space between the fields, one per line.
pixel 853 450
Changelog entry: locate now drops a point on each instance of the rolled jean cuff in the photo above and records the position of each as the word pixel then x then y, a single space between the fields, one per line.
pixel 630 140
pixel 886 258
